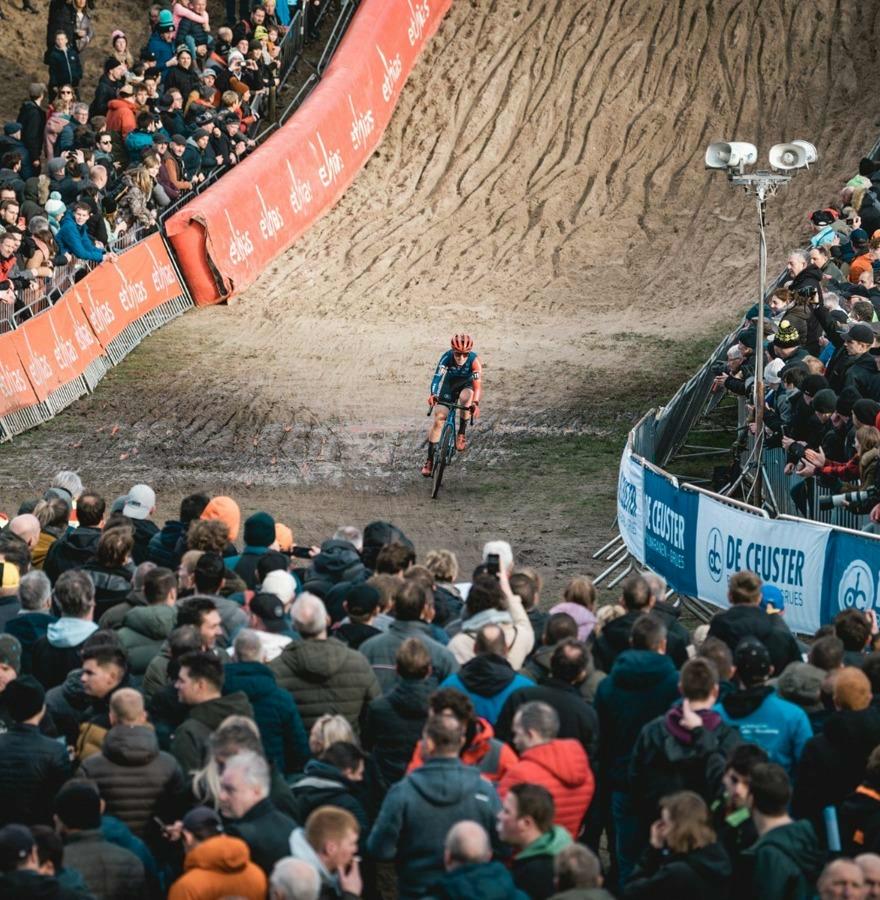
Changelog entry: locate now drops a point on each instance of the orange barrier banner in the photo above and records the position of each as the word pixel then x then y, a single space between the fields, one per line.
pixel 114 296
pixel 56 346
pixel 257 210
pixel 15 387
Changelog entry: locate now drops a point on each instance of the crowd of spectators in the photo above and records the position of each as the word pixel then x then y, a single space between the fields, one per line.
pixel 205 708
pixel 80 170
pixel 821 355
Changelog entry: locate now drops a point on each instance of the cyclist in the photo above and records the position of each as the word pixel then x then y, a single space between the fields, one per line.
pixel 457 380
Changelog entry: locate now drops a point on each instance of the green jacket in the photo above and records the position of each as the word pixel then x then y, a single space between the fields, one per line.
pixel 144 630
pixel 191 738
pixel 786 862
pixel 548 844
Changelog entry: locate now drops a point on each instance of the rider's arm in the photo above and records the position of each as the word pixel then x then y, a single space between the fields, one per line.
pixel 477 372
pixel 439 373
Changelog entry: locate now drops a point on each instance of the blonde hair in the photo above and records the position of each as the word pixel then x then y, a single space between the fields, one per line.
pixel 127 706
pixel 442 564
pixel 580 591
pixel 606 614
pixel 236 733
pixel 330 729
pixel 867 437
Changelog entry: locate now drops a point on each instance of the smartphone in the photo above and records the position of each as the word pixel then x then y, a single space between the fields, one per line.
pixel 301 552
pixel 493 564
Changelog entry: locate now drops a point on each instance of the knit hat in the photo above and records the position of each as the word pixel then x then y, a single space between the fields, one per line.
pixel 868 166
pixel 752 661
pixel 772 370
pixel 78 805
pixel 852 690
pixel 269 610
pixel 182 48
pixel 166 21
pixel 845 402
pixel 111 63
pixel 55 207
pixel 861 332
pixel 283 537
pixel 10 652
pixel 16 843
pixel 119 33
pixel 140 502
pixel 812 384
pixel 362 600
pixel 24 698
pixel 226 510
pixel 281 584
pixel 801 683
pixel 858 237
pixel 10 575
pixel 11 128
pixel 748 337
pixel 825 401
pixel 179 140
pixel 772 599
pixel 202 819
pixel 866 411
pixel 822 217
pixel 208 73
pixel 259 530
pixel 787 335
pixel 57 164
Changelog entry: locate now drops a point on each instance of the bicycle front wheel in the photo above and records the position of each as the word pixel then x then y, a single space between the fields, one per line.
pixel 441 457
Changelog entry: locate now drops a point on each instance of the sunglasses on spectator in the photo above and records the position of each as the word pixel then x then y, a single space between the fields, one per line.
pixel 67 92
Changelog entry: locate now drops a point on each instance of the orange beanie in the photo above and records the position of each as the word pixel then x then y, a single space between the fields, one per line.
pixel 226 510
pixel 284 537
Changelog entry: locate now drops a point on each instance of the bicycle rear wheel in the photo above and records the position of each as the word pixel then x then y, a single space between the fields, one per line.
pixel 441 457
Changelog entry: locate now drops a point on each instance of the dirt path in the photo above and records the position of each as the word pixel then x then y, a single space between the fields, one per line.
pixel 541 186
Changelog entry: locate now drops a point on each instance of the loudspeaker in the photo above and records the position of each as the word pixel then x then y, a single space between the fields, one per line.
pixel 730 155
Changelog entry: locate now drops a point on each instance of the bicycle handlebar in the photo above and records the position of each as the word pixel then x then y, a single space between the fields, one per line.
pixel 449 405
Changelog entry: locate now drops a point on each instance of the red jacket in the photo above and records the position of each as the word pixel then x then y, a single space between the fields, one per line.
pixel 493 766
pixel 122 116
pixel 562 767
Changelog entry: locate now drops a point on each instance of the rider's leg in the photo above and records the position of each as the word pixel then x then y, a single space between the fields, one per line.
pixel 465 398
pixel 440 414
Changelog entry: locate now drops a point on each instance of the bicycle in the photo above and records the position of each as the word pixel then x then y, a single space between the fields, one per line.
pixel 445 451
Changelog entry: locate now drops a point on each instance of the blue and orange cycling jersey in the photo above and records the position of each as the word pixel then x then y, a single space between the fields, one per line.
pixel 451 379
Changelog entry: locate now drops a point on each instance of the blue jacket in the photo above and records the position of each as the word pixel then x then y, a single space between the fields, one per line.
pixel 162 49
pixel 29 627
pixel 488 680
pixel 417 814
pixel 136 142
pixel 764 718
pixel 488 881
pixel 74 239
pixel 281 726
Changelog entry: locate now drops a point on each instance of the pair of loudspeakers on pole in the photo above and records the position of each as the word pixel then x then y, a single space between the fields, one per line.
pixel 738 154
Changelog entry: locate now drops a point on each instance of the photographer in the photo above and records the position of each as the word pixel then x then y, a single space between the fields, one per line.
pixel 738 373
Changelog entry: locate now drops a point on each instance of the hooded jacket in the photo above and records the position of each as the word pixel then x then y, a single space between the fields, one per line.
pixel 562 767
pixel 787 861
pixel 743 620
pixel 219 867
pixel 144 531
pixel 112 584
pixel 107 869
pixel 325 676
pixel 115 616
pixel 641 686
pixel 324 785
pixel 163 544
pixel 144 630
pixel 487 880
pixel 71 551
pixel 28 628
pixel 190 739
pixel 266 830
pixel 515 624
pixel 488 680
pixel 57 653
pixel 301 849
pixel 585 618
pixel 615 636
pixel 284 737
pixel 136 779
pixel 74 239
pixel 702 873
pixel 537 667
pixel 765 719
pixel 417 815
pixel 533 866
pixel 858 818
pixel 381 651
pixel 337 561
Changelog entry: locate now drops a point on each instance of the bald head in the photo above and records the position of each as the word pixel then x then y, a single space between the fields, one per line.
pixel 840 879
pixel 490 639
pixel 309 616
pixel 27 527
pixel 869 863
pixel 294 879
pixel 127 708
pixel 466 843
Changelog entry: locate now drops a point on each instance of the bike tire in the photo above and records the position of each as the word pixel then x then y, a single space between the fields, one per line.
pixel 440 458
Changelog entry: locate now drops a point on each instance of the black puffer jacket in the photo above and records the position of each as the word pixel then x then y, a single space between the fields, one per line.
pixel 740 621
pixel 266 830
pixel 702 873
pixel 112 585
pixel 191 738
pixel 136 779
pixel 338 561
pixel 376 536
pixel 32 769
pixel 615 639
pixel 324 785
pixel 108 870
pixel 72 550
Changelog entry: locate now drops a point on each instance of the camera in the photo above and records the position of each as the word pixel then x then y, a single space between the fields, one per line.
pixel 850 497
pixel 808 294
pixel 719 367
pixel 796 453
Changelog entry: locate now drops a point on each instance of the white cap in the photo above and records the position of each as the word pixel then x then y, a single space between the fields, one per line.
pixel 281 584
pixel 772 370
pixel 140 502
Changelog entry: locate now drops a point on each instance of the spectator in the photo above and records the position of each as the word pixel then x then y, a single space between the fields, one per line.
pixel 787 857
pixel 163 547
pixel 841 878
pixel 111 571
pixel 579 602
pixel 136 779
pixel 249 813
pixel 361 605
pixel 558 764
pixel 216 864
pixel 526 584
pixel 34 618
pixel 470 871
pixel 854 629
pixel 78 546
pixel 32 766
pixel 418 811
pixel 108 86
pixel 448 602
pixel 200 685
pixel 54 655
pixel 73 236
pixel 745 618
pixel 10 580
pixel 135 599
pixel 271 625
pixel 294 879
pixel 686 749
pixel 212 578
pixel 859 813
pixel 490 601
pixel 107 869
pixel 684 859
pixel 281 728
pixel 577 718
pixel 561 627
pixel 140 504
pixel 642 685
pixel 259 538
pixel 720 655
pixel 578 875
pixel 63 62
pixel 323 674
pixel 761 716
pixel 328 843
pixel 488 678
pixel 525 823
pixel 20 874
pixel 32 117
pixel 53 513
pixel 146 628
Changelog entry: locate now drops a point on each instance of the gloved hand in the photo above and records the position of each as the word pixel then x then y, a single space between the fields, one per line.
pixel 432 400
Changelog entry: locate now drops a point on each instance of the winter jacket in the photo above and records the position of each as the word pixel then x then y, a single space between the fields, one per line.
pixel 74 239
pixel 9 609
pixel 144 531
pixel 137 780
pixel 121 116
pixel 326 677
pixel 858 820
pixel 562 767
pixel 56 654
pixel 615 635
pixel 219 867
pixel 833 763
pixel 301 849
pixel 284 738
pixel 668 758
pixel 115 616
pixel 266 830
pixel 417 814
pixel 532 867
pixel 641 686
pixel 353 634
pixel 577 717
pixel 33 122
pixel 767 720
pixel 392 727
pixel 324 785
pixel 786 862
pixel 585 618
pixel 740 621
pixel 47 537
pixel 191 738
pixel 29 627
pixel 163 50
pixel 337 561
pixel 143 632
pixel 71 551
pixel 487 880
pixel 64 67
pixel 32 770
pixel 537 667
pixel 381 651
pixel 488 680
pixel 162 547
pixel 108 871
pixel 514 623
pixel 105 91
pixel 112 584
pixel 660 875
